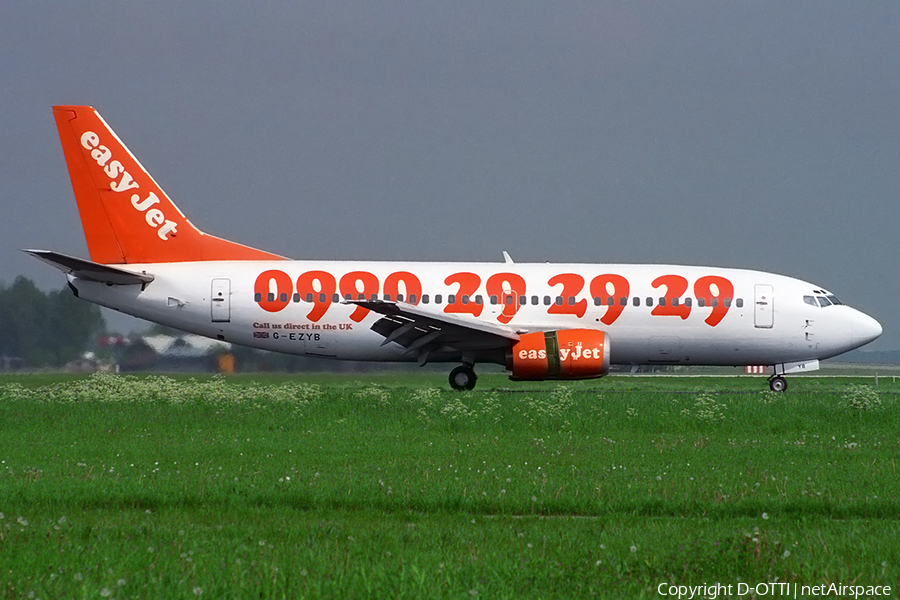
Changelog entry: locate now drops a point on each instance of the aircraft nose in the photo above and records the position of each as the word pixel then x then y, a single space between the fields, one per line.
pixel 863 329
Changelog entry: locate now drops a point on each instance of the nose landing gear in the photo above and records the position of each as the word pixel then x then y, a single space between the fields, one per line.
pixel 777 383
pixel 462 378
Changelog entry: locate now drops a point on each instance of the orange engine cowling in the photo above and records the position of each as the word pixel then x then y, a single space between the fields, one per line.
pixel 565 354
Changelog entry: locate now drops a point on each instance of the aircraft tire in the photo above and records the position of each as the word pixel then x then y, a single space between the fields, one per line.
pixel 463 378
pixel 778 384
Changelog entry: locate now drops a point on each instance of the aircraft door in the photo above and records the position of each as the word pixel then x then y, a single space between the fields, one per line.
pixel 220 301
pixel 764 306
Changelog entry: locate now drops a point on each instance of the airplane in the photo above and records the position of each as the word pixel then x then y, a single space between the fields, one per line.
pixel 541 321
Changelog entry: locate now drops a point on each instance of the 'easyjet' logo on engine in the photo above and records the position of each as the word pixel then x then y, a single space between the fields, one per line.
pixel 564 353
pixel 122 181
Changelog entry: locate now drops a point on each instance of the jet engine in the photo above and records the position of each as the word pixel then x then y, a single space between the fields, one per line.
pixel 565 354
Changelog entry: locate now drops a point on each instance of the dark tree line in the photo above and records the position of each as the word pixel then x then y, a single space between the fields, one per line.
pixel 44 329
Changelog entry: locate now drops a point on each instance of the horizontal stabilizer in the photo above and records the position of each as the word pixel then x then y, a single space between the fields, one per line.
pixel 90 271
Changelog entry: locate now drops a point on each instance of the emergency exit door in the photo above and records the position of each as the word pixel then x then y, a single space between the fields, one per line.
pixel 220 301
pixel 764 306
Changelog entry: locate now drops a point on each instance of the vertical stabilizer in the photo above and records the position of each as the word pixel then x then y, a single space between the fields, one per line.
pixel 127 217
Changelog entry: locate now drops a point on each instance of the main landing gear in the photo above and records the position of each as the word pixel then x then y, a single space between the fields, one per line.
pixel 462 378
pixel 777 383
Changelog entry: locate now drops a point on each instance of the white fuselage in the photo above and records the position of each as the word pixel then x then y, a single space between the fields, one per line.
pixel 718 316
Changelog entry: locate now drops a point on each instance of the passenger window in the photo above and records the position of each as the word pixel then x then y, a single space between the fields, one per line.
pixel 701 302
pixel 309 297
pixel 257 297
pixel 674 301
pixel 598 301
pixel 649 301
pixel 387 297
pixel 399 297
pixel 688 302
pixel 465 299
pixel 438 298
pixel 636 301
pixel 727 302
pixel 535 300
pixel 559 300
pixel 571 300
pixel 662 301
pixel 424 298
pixel 479 299
pixel 623 301
pixel 547 301
pixel 412 298
pixel 739 303
pixel 523 300
pixel 493 299
pixel 336 298
pixel 271 297
pixel 296 297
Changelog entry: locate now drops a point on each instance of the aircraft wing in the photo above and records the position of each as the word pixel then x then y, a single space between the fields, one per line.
pixel 91 271
pixel 422 331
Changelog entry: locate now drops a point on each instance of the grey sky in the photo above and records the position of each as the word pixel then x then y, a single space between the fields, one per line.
pixel 750 134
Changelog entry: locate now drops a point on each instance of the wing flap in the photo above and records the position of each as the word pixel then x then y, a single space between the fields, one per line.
pixel 90 271
pixel 423 332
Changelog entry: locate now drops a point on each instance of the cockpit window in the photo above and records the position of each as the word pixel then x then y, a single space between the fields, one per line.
pixel 822 301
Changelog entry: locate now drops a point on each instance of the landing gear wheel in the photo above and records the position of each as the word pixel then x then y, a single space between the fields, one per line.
pixel 463 378
pixel 777 383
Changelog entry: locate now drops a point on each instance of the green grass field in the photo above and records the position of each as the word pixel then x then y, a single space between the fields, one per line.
pixel 395 487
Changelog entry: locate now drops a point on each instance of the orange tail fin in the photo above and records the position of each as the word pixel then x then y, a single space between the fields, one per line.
pixel 127 217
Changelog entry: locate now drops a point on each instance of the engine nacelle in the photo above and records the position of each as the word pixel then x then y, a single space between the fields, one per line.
pixel 565 354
